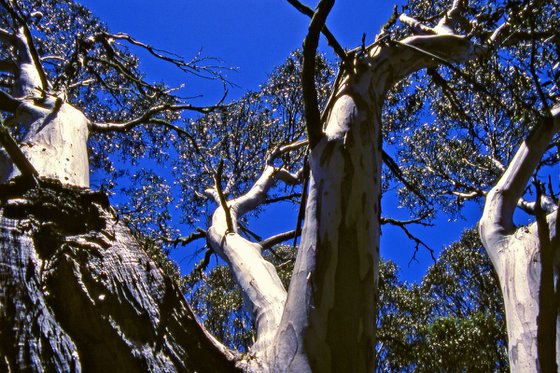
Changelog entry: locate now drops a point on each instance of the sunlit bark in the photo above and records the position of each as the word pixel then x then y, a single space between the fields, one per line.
pixel 526 259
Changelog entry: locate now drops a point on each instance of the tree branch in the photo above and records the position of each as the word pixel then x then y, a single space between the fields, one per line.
pixel 222 198
pixel 149 116
pixel 396 171
pixel 502 200
pixel 311 103
pixel 279 238
pixel 198 234
pixel 17 156
pixel 326 32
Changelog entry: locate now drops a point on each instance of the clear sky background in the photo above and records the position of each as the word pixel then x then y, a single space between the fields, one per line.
pixel 254 36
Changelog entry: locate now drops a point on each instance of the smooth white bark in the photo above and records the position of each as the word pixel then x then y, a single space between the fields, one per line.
pixel 54 142
pixel 521 254
pixel 259 282
pixel 328 322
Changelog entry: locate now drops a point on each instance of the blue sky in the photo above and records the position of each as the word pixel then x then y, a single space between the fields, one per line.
pixel 253 36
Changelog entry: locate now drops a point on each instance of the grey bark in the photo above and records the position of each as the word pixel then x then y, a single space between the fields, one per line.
pixel 77 292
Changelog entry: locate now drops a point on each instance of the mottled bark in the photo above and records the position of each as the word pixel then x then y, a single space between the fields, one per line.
pixel 77 292
pixel 328 321
pixel 54 141
pixel 526 259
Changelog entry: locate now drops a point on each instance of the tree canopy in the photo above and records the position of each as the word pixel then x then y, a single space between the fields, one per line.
pixel 453 101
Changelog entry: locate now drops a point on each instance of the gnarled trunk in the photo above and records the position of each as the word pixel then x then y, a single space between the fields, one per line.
pixel 77 292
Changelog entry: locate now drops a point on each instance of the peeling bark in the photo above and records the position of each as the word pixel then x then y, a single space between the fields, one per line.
pixel 328 321
pixel 77 292
pixel 526 259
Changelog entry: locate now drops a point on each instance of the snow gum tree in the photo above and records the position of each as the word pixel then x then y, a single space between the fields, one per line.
pixel 62 89
pixel 468 152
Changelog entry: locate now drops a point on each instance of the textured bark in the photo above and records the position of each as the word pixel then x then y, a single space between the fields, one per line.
pixel 526 259
pixel 77 292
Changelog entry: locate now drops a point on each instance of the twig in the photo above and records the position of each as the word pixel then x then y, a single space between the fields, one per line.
pixel 418 242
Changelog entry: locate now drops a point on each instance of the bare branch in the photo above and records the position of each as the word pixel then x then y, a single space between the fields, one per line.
pixel 311 104
pixel 503 199
pixel 416 26
pixel 418 220
pixel 198 234
pixel 279 238
pixel 396 171
pixel 17 156
pixel 27 53
pixel 148 116
pixel 186 66
pixel 547 205
pixel 326 32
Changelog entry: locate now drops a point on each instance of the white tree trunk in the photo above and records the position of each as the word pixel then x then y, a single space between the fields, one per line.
pixel 54 133
pixel 328 321
pixel 526 260
pixel 54 142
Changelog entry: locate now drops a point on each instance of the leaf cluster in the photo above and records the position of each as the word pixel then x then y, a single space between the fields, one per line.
pixel 453 321
pixel 453 130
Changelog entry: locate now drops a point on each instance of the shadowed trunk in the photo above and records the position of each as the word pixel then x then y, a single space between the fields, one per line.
pixel 77 292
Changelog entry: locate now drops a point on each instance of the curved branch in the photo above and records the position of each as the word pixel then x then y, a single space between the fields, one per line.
pixel 311 103
pixel 502 200
pixel 279 238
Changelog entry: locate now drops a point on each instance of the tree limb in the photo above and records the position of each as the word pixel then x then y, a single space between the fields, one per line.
pixel 17 156
pixel 279 238
pixel 149 116
pixel 311 103
pixel 222 198
pixel 326 32
pixel 502 200
pixel 198 234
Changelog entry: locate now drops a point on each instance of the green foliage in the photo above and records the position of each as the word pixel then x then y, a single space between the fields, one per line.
pixel 453 130
pixel 453 321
